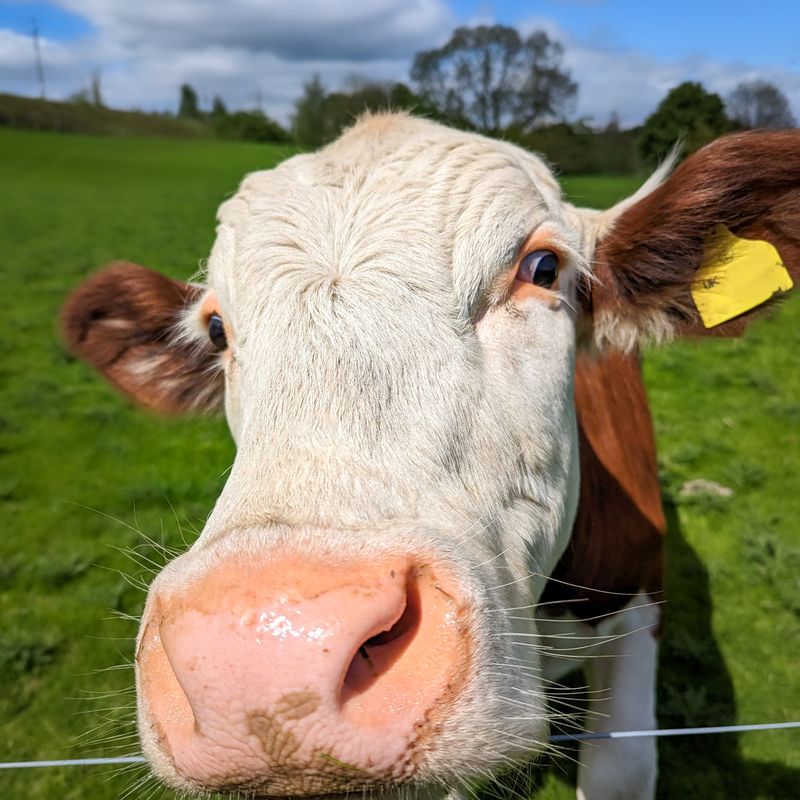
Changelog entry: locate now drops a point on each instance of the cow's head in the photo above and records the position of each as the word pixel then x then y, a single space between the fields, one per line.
pixel 391 325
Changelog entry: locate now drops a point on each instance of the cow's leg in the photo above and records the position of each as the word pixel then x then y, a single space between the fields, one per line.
pixel 622 673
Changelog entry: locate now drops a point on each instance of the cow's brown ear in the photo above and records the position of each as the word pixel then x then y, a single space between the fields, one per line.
pixel 668 264
pixel 124 321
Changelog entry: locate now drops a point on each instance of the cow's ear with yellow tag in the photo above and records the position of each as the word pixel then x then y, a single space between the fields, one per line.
pixel 706 250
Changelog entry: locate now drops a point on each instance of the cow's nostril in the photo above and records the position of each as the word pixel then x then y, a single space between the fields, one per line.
pixel 376 656
pixel 407 624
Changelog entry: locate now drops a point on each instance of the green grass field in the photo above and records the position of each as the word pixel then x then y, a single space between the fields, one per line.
pixel 82 472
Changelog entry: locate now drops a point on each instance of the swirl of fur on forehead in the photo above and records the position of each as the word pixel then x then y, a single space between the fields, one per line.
pixel 372 354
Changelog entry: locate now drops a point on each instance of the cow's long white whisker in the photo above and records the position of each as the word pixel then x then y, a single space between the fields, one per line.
pixel 131 581
pixel 121 615
pixel 569 636
pixel 564 583
pixel 178 523
pixel 563 703
pixel 117 520
pixel 480 527
pixel 537 605
pixel 147 564
pixel 113 668
pixel 101 694
pixel 551 690
pixel 564 619
pixel 605 640
pixel 99 711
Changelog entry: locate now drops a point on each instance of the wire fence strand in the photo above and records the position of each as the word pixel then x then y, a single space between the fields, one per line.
pixel 584 737
pixel 558 738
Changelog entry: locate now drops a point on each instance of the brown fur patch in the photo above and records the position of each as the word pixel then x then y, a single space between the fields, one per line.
pixel 645 266
pixel 617 539
pixel 123 321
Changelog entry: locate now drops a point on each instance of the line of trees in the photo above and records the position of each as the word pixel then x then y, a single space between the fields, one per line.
pixel 491 79
pixel 253 125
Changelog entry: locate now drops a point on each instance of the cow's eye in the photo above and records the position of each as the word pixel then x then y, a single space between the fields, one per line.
pixel 216 332
pixel 539 267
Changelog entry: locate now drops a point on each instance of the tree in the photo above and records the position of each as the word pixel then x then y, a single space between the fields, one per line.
pixel 689 115
pixel 188 106
pixel 308 121
pixel 218 107
pixel 492 77
pixel 91 95
pixel 577 148
pixel 321 116
pixel 759 104
pixel 254 126
pixel 95 92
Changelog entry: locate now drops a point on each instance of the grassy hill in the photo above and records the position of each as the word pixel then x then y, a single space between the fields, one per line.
pixel 48 115
pixel 83 476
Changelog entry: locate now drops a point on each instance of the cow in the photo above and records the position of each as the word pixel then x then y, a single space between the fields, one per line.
pixel 429 362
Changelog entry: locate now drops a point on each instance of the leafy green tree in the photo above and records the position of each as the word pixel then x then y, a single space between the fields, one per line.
pixel 492 77
pixel 91 96
pixel 81 97
pixel 759 104
pixel 577 148
pixel 309 124
pixel 95 91
pixel 344 108
pixel 321 116
pixel 688 115
pixel 218 107
pixel 253 126
pixel 188 106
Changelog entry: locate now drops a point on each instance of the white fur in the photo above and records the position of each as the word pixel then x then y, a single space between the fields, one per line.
pixel 620 659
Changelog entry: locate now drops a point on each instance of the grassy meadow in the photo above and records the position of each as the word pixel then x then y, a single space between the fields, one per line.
pixel 82 473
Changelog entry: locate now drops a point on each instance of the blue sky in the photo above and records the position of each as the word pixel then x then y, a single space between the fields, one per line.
pixel 56 23
pixel 624 54
pixel 760 33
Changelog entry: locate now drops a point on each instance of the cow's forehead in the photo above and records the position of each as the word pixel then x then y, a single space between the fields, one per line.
pixel 397 194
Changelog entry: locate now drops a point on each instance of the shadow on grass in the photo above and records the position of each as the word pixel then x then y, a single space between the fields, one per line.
pixel 694 689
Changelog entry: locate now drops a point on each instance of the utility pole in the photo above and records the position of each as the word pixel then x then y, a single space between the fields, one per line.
pixel 38 53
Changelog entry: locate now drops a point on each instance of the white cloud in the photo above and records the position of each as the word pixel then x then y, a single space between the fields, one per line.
pixel 301 30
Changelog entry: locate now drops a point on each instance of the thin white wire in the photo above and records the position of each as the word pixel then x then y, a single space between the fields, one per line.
pixel 72 762
pixel 562 737
pixel 581 737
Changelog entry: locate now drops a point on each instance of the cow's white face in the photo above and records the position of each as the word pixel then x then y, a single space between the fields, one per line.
pixel 396 390
pixel 398 362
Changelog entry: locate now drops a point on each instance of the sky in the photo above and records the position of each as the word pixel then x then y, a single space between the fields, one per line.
pixel 624 54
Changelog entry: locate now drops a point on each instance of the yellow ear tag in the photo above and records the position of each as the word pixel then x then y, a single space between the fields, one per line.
pixel 736 275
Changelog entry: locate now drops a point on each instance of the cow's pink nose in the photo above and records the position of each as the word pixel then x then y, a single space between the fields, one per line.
pixel 298 676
